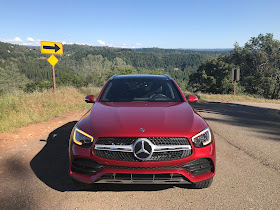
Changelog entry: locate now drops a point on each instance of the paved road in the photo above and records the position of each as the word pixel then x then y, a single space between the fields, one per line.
pixel 34 173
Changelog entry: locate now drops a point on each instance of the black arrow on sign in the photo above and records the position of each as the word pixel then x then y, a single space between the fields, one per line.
pixel 55 47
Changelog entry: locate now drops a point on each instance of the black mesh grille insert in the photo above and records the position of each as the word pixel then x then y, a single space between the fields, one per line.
pixel 113 155
pixel 129 156
pixel 116 140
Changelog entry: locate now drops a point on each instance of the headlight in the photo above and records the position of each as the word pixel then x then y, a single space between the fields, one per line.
pixel 81 138
pixel 203 138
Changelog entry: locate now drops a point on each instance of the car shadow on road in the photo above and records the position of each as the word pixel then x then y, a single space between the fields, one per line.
pixel 262 120
pixel 50 165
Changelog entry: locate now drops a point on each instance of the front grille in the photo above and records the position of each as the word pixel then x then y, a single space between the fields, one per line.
pixel 131 140
pixel 129 156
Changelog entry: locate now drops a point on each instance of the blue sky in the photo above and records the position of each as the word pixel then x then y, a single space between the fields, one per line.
pixel 152 23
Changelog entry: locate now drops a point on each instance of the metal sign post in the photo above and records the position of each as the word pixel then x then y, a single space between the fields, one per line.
pixel 54 85
pixel 234 88
pixel 53 60
pixel 235 77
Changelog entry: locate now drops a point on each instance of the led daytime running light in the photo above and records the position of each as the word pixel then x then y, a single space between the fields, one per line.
pixel 83 133
pixel 201 133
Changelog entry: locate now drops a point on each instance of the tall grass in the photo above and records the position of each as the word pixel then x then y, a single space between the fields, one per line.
pixel 227 97
pixel 20 109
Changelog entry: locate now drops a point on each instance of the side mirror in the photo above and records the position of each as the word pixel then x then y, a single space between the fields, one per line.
pixel 192 98
pixel 89 99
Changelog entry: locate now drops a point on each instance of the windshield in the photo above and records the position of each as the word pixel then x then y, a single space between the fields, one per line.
pixel 141 89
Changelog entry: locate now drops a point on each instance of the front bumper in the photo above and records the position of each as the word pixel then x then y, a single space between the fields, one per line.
pixel 204 169
pixel 88 168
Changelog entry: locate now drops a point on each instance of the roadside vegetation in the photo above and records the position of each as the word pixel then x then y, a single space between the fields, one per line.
pixel 232 98
pixel 259 62
pixel 206 71
pixel 26 94
pixel 20 109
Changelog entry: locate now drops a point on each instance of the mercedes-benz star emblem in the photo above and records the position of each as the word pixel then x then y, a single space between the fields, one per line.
pixel 142 129
pixel 143 149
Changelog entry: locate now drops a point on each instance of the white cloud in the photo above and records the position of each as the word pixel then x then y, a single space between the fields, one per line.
pixel 29 39
pixel 101 42
pixel 118 46
pixel 17 39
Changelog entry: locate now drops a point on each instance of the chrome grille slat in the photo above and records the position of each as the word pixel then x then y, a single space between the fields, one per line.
pixel 154 140
pixel 119 148
pixel 129 148
pixel 171 148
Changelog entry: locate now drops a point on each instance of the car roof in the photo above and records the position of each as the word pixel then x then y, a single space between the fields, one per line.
pixel 141 76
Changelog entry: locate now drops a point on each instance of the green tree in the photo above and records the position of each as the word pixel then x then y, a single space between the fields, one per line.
pixel 11 79
pixel 260 65
pixel 126 70
pixel 214 76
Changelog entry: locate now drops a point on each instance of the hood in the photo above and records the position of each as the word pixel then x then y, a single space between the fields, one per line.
pixel 169 119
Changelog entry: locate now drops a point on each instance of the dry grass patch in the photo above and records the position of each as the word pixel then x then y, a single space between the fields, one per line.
pixel 227 97
pixel 21 109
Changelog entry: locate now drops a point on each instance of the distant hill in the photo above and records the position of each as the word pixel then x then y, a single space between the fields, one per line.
pixel 211 52
pixel 81 65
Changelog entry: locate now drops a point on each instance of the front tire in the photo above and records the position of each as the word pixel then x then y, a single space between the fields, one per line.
pixel 203 184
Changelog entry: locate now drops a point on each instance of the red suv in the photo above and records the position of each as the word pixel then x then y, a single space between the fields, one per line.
pixel 141 129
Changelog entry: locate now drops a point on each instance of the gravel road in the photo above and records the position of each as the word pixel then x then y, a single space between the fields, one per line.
pixel 33 167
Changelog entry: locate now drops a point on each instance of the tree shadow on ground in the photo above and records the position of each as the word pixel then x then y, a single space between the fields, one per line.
pixel 15 185
pixel 262 120
pixel 51 166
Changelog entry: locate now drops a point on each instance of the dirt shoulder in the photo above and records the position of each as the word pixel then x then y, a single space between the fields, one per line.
pixel 36 131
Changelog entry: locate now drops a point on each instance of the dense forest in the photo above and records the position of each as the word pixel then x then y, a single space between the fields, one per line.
pixel 26 68
pixel 206 71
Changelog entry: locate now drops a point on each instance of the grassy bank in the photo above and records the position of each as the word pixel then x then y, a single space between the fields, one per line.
pixel 227 97
pixel 21 109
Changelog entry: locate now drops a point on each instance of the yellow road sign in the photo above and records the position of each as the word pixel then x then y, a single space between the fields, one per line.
pixel 52 60
pixel 51 47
